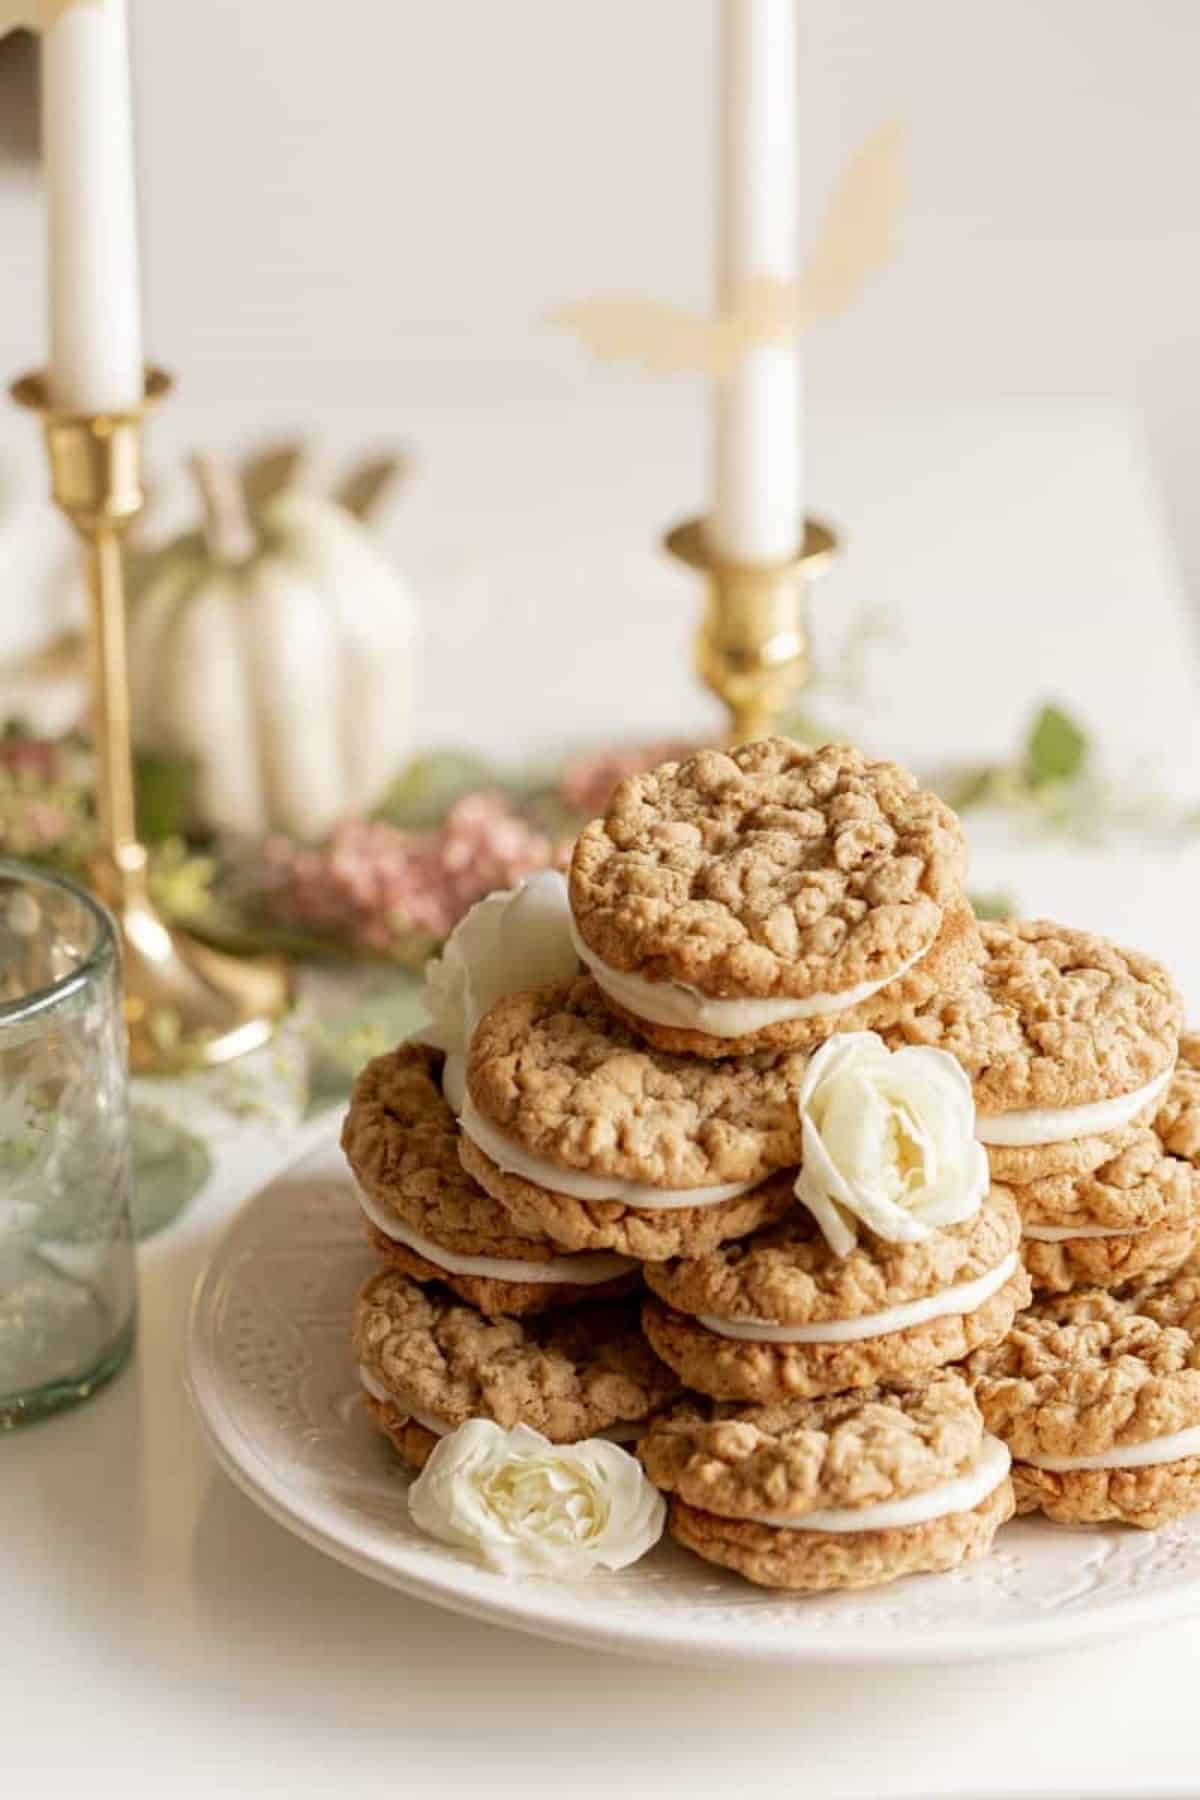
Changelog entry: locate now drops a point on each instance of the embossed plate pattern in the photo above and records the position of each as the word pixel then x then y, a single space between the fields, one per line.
pixel 273 1382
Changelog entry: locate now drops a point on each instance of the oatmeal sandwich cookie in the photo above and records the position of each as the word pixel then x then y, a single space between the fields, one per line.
pixel 428 1363
pixel 584 1133
pixel 1069 1042
pixel 1097 1395
pixel 782 1316
pixel 430 1220
pixel 847 1492
pixel 1137 1215
pixel 741 901
pixel 1177 1121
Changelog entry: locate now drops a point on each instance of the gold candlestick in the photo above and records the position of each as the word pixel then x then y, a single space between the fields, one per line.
pixel 752 646
pixel 186 1005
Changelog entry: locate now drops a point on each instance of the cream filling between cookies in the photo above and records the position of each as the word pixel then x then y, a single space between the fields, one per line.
pixel 1173 1448
pixel 454 1080
pixel 675 1004
pixel 1059 1124
pixel 965 1297
pixel 377 1391
pixel 582 1270
pixel 1063 1234
pixel 962 1493
pixel 512 1160
pixel 627 1433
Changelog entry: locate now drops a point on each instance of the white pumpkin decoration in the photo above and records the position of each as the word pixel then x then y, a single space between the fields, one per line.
pixel 276 650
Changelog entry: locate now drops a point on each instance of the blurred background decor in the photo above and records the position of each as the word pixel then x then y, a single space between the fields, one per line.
pixel 274 648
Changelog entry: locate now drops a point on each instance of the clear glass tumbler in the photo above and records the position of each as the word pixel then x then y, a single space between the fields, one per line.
pixel 67 1282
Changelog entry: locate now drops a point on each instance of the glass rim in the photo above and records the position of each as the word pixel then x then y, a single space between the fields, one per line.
pixel 98 958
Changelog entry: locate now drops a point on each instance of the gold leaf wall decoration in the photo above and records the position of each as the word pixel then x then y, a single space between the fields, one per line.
pixel 856 239
pixel 33 15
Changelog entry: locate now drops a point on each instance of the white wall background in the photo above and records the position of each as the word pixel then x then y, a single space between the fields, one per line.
pixel 377 202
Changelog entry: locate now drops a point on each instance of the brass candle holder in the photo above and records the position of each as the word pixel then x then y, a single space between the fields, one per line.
pixel 186 1004
pixel 752 645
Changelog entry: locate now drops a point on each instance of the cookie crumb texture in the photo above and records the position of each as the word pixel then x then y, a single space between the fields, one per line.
pixel 400 1138
pixel 1060 1268
pixel 816 1561
pixel 567 1375
pixel 1063 1018
pixel 796 1457
pixel 1147 1498
pixel 1177 1121
pixel 1141 1185
pixel 1089 1374
pixel 773 871
pixel 564 1079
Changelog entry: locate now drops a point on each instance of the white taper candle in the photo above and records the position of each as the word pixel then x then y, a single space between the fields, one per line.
pixel 758 499
pixel 87 136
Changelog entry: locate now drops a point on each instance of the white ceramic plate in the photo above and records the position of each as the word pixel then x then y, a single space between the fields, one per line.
pixel 273 1381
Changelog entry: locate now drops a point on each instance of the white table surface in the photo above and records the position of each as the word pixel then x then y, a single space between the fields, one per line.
pixel 161 1636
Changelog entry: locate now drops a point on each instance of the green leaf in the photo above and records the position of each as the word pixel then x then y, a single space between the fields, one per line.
pixel 1057 748
pixel 163 785
pixel 993 906
pixel 427 787
pixel 338 1047
pixel 973 787
pixel 170 1166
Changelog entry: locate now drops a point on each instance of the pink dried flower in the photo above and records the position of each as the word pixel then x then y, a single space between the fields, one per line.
pixel 27 756
pixel 372 883
pixel 588 781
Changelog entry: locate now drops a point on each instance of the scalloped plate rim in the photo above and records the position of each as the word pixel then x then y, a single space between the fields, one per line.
pixel 557 1610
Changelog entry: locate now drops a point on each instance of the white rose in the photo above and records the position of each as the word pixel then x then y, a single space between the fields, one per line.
pixel 889 1138
pixel 516 939
pixel 526 1506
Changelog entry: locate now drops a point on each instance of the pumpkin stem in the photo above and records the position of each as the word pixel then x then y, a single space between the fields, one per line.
pixel 228 530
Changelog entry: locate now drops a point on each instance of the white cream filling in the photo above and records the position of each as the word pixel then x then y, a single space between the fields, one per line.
pixel 582 1270
pixel 1172 1448
pixel 959 1495
pixel 627 1433
pixel 1059 1124
pixel 454 1080
pixel 377 1391
pixel 965 1297
pixel 674 1003
pixel 544 1174
pixel 1062 1234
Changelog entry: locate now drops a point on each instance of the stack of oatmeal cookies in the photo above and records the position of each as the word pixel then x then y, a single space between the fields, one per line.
pixel 748 1146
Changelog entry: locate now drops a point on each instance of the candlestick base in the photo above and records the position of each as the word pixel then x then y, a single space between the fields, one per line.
pixel 752 646
pixel 186 1005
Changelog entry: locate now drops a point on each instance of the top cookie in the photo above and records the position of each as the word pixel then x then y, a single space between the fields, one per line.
pixel 773 871
pixel 564 1080
pixel 1061 1019
pixel 792 1457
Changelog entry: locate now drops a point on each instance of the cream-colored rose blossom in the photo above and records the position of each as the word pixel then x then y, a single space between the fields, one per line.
pixel 888 1141
pixel 525 1506
pixel 516 939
